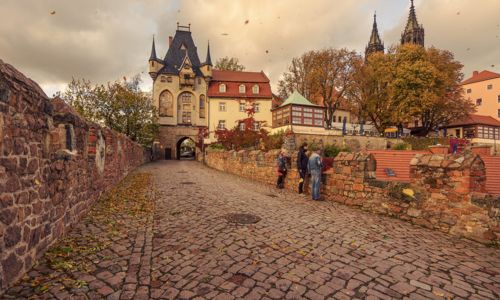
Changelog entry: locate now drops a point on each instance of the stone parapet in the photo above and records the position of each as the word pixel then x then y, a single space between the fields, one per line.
pixel 446 192
pixel 53 166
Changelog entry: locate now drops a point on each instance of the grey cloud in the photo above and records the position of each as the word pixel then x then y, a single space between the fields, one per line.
pixel 105 40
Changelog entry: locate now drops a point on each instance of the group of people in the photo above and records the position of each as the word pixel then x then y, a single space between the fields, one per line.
pixel 312 165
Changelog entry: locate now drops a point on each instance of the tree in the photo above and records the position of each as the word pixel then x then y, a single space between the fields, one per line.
pixel 323 75
pixel 229 64
pixel 410 83
pixel 370 91
pixel 121 106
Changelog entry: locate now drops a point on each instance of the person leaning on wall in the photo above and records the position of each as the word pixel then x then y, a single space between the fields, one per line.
pixel 302 161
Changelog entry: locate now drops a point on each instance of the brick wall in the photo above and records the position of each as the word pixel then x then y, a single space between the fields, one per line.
pixel 446 193
pixel 53 166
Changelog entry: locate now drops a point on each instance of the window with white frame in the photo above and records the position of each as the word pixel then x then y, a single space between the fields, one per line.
pixel 222 88
pixel 256 107
pixel 222 106
pixel 490 86
pixel 255 89
pixel 243 107
pixel 256 126
pixel 242 89
pixel 479 102
pixel 221 125
pixel 242 126
pixel 469 91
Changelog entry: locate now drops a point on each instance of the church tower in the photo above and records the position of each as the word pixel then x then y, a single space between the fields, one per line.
pixel 375 44
pixel 414 33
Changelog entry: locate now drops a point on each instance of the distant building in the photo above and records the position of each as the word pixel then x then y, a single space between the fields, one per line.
pixel 231 93
pixel 375 44
pixel 483 90
pixel 189 95
pixel 481 129
pixel 298 111
pixel 414 33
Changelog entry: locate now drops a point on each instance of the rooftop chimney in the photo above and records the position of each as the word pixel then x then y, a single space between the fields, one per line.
pixel 170 38
pixel 475 73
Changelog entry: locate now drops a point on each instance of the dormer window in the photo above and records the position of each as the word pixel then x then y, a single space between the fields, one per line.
pixel 255 89
pixel 242 88
pixel 222 88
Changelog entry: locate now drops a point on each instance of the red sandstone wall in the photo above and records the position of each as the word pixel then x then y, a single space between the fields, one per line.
pixel 448 190
pixel 53 166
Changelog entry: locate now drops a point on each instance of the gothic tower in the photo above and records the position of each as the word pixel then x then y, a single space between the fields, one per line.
pixel 375 44
pixel 414 33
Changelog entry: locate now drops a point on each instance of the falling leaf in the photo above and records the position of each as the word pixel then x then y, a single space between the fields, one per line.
pixel 492 66
pixel 224 33
pixel 409 193
pixel 267 51
pixel 458 13
pixel 53 12
pixel 468 49
pixel 246 22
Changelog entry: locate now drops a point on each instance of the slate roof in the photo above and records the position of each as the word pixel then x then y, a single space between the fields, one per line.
pixel 175 55
pixel 481 76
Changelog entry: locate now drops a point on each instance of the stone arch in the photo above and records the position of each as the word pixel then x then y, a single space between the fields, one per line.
pixel 166 104
pixel 181 149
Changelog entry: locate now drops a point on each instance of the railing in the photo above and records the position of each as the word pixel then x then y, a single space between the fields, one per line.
pixel 186 81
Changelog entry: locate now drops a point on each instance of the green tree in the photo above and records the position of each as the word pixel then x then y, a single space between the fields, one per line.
pixel 121 106
pixel 229 64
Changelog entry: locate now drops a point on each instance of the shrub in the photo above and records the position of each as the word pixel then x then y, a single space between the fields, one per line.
pixel 274 141
pixel 333 151
pixel 401 146
pixel 216 146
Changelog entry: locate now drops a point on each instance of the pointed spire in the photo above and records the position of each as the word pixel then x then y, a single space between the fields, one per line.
pixel 375 44
pixel 153 50
pixel 414 33
pixel 208 61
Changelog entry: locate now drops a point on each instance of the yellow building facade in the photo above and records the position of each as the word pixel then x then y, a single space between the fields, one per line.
pixel 483 90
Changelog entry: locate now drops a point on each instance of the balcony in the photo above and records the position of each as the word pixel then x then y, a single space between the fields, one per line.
pixel 186 81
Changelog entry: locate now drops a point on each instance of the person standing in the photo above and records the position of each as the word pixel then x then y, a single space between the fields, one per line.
pixel 281 164
pixel 315 166
pixel 302 161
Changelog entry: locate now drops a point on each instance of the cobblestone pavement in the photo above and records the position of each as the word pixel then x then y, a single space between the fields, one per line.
pixel 298 250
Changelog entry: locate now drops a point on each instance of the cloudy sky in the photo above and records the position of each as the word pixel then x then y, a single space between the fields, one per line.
pixel 103 40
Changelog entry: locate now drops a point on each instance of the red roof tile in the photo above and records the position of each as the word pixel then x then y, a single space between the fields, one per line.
pixel 481 76
pixel 233 80
pixel 239 76
pixel 475 120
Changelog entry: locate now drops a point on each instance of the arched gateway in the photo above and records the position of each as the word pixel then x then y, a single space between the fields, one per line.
pixel 185 148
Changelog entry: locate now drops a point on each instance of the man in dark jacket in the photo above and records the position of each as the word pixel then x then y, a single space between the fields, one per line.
pixel 302 161
pixel 281 164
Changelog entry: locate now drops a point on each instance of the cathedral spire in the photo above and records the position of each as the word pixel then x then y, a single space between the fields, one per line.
pixel 375 44
pixel 208 61
pixel 413 33
pixel 153 50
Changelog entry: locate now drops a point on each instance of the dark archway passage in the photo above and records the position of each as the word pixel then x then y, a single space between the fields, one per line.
pixel 186 149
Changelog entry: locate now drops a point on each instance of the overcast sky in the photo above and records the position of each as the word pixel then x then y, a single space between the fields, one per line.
pixel 52 41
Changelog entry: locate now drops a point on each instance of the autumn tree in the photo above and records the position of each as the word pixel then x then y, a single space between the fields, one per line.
pixel 324 74
pixel 229 64
pixel 121 106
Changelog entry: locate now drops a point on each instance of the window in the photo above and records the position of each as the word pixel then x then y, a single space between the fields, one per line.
pixel 202 106
pixel 479 102
pixel 221 125
pixel 166 104
pixel 243 107
pixel 163 79
pixel 242 126
pixel 199 80
pixel 490 86
pixel 498 98
pixel 169 79
pixel 340 119
pixel 256 107
pixel 255 89
pixel 256 126
pixel 222 106
pixel 457 133
pixel 469 91
pixel 242 88
pixel 498 113
pixel 222 88
pixel 186 117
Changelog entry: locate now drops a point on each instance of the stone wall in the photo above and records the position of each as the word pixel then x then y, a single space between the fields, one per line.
pixel 53 166
pixel 446 193
pixel 354 143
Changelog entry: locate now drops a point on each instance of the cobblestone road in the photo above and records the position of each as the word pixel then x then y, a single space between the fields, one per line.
pixel 299 250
